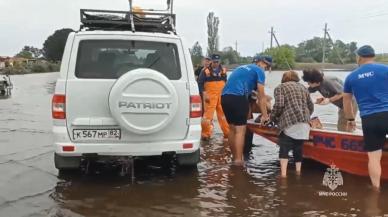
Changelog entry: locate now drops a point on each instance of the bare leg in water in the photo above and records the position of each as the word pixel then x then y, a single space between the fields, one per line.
pixel 374 168
pixel 283 167
pixel 298 168
pixel 236 142
pixel 231 137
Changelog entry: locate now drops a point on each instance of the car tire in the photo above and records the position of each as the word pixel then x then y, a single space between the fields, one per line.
pixel 189 160
pixel 63 163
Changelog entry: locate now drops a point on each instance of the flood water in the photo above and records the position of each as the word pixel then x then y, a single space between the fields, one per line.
pixel 31 186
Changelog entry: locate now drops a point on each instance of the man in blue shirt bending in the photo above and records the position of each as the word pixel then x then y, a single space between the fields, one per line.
pixel 235 103
pixel 369 84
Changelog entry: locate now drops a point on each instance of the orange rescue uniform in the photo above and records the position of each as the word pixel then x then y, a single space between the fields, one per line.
pixel 213 84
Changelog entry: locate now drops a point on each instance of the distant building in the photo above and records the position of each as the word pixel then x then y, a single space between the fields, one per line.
pixel 4 61
pixel 11 61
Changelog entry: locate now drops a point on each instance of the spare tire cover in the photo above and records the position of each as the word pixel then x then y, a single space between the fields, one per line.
pixel 143 101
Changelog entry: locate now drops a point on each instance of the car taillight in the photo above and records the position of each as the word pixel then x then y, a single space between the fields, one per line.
pixel 187 145
pixel 59 107
pixel 195 107
pixel 68 148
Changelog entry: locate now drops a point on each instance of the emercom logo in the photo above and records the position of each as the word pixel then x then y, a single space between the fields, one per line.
pixel 332 179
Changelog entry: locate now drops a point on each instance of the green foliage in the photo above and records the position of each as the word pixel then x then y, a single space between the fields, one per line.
pixel 311 51
pixel 54 45
pixel 212 33
pixel 53 67
pixel 18 68
pixel 29 52
pixel 196 54
pixel 246 60
pixel 32 67
pixel 281 55
pixel 230 56
pixel 24 54
pixel 343 51
pixel 38 67
pixel 382 58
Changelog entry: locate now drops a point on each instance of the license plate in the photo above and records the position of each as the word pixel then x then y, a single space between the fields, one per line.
pixel 109 134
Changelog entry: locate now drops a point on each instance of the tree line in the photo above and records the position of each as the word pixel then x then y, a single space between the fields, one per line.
pixel 52 48
pixel 285 56
pixel 45 59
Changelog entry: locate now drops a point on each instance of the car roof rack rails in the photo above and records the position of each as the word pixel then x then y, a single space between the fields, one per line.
pixel 136 19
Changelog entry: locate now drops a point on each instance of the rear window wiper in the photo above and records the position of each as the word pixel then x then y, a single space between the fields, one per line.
pixel 155 61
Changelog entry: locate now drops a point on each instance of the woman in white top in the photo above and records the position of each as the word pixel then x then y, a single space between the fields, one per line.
pixel 291 112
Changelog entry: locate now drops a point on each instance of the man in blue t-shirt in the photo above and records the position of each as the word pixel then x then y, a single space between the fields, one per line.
pixel 235 103
pixel 369 84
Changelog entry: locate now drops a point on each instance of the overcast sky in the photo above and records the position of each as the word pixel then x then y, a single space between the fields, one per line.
pixel 30 22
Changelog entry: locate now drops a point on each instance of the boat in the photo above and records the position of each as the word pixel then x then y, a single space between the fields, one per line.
pixel 331 147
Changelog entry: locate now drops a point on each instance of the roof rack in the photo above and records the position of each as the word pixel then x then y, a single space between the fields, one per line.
pixel 136 19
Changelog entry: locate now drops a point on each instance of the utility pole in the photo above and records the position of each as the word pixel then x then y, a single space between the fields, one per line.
pixel 262 47
pixel 236 47
pixel 277 42
pixel 324 44
pixel 332 43
pixel 272 34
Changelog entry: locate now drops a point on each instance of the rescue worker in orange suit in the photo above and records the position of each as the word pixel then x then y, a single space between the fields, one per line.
pixel 211 83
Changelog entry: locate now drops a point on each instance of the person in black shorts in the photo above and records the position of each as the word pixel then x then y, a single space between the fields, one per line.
pixel 369 85
pixel 235 103
pixel 291 112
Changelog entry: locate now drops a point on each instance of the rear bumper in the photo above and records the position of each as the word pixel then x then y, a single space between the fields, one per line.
pixel 126 149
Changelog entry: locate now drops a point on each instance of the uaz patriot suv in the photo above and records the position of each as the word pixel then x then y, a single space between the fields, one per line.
pixel 126 88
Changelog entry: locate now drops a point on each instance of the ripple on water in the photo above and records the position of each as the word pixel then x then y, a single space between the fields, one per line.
pixel 216 188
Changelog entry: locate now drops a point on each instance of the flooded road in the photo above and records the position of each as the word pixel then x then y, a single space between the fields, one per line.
pixel 31 186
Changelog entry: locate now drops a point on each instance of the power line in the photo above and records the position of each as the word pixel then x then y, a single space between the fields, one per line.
pixel 326 33
pixel 273 37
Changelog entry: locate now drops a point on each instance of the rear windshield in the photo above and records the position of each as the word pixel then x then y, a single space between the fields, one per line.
pixel 109 59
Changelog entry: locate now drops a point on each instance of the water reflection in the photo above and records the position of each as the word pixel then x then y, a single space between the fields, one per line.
pixel 155 193
pixel 215 188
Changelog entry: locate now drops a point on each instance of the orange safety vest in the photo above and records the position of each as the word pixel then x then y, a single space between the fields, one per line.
pixel 211 76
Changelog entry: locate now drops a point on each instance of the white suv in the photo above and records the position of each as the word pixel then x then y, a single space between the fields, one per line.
pixel 125 93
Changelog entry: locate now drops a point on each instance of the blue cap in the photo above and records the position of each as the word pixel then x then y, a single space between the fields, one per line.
pixel 215 57
pixel 264 58
pixel 365 51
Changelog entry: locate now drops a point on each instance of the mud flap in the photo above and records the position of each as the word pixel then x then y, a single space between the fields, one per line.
pixel 66 163
pixel 191 159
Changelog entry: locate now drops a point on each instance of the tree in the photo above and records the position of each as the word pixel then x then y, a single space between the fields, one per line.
pixel 311 51
pixel 281 55
pixel 196 53
pixel 54 45
pixel 312 48
pixel 345 51
pixel 30 52
pixel 352 49
pixel 24 54
pixel 230 56
pixel 338 52
pixel 212 33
